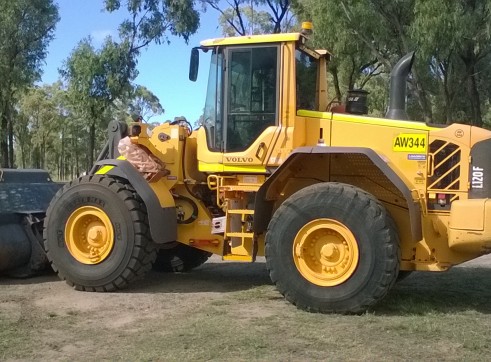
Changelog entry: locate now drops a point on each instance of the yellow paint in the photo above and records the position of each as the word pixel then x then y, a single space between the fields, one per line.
pixel 240 240
pixel 325 252
pixel 344 117
pixel 89 235
pixel 307 25
pixel 162 192
pixel 198 233
pixel 209 167
pixel 470 226
pixel 231 257
pixel 441 246
pixel 104 169
pixel 410 142
pixel 252 39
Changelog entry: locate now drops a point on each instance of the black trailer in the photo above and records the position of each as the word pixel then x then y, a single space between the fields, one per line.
pixel 24 198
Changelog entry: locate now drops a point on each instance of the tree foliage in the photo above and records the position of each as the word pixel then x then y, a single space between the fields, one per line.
pixel 26 28
pixel 450 79
pixel 152 20
pixel 244 17
pixel 95 80
pixel 100 80
pixel 62 126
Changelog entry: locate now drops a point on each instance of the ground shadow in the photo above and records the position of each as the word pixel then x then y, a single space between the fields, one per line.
pixel 210 277
pixel 460 289
pixel 45 276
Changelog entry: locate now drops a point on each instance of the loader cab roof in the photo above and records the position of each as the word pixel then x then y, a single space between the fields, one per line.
pixel 251 39
pixel 259 39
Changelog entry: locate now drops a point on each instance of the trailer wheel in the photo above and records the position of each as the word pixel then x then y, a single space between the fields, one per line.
pixel 96 234
pixel 179 258
pixel 332 247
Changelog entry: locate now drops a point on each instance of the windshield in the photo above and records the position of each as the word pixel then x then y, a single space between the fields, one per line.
pixel 212 115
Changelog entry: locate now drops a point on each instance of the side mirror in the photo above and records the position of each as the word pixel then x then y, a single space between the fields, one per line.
pixel 194 65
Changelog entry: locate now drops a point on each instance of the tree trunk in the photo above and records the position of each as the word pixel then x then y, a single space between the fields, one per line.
pixel 335 79
pixel 23 154
pixel 420 92
pixel 11 141
pixel 474 98
pixel 90 151
pixel 4 146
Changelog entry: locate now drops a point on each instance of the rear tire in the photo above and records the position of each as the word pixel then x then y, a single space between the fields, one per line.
pixel 96 234
pixel 179 258
pixel 332 247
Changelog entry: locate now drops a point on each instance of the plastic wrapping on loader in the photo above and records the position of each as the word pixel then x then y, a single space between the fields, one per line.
pixel 147 164
pixel 24 198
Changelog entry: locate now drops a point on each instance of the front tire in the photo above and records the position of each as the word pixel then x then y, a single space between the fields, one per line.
pixel 332 247
pixel 96 234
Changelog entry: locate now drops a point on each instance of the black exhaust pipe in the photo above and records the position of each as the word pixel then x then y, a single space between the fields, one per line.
pixel 397 96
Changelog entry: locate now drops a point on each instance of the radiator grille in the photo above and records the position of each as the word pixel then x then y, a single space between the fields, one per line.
pixel 446 158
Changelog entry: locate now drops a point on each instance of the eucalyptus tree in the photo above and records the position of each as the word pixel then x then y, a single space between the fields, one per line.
pixel 243 17
pixel 38 124
pixel 454 37
pixel 26 28
pixel 95 78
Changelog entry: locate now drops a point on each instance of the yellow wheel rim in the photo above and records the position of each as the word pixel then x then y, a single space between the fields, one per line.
pixel 89 235
pixel 325 252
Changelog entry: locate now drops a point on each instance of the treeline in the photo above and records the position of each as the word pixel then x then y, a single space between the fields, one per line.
pixel 451 78
pixel 53 132
pixel 62 126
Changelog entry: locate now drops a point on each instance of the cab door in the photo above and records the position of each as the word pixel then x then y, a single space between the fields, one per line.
pixel 241 118
pixel 251 122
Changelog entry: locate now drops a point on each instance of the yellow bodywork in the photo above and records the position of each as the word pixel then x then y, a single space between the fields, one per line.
pixel 417 153
pixel 252 39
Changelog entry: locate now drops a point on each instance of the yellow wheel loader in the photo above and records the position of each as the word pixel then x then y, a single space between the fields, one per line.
pixel 339 203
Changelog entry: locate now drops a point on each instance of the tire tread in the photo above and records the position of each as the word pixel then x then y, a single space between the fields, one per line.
pixel 143 253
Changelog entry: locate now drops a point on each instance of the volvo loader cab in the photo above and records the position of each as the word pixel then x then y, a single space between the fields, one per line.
pixel 340 204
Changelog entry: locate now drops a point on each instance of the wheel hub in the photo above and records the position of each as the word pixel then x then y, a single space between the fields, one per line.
pixel 97 234
pixel 325 252
pixel 89 235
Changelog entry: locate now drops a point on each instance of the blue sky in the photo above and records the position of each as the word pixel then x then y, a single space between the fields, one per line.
pixel 162 68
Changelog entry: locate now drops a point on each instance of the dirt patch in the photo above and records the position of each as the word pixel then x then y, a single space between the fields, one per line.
pixel 231 311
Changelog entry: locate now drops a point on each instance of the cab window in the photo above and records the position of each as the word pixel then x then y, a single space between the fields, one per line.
pixel 212 115
pixel 252 95
pixel 306 80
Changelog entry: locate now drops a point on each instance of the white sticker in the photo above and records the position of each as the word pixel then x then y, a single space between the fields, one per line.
pixel 174 133
pixel 249 179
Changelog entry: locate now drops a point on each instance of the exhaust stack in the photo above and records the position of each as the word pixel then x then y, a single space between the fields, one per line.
pixel 397 96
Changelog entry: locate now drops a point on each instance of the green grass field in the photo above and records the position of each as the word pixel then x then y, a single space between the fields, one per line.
pixel 232 312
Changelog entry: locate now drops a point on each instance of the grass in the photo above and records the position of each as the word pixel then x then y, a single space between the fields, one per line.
pixel 230 312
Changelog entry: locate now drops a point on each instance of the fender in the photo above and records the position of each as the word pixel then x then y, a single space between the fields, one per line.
pixel 162 220
pixel 264 205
